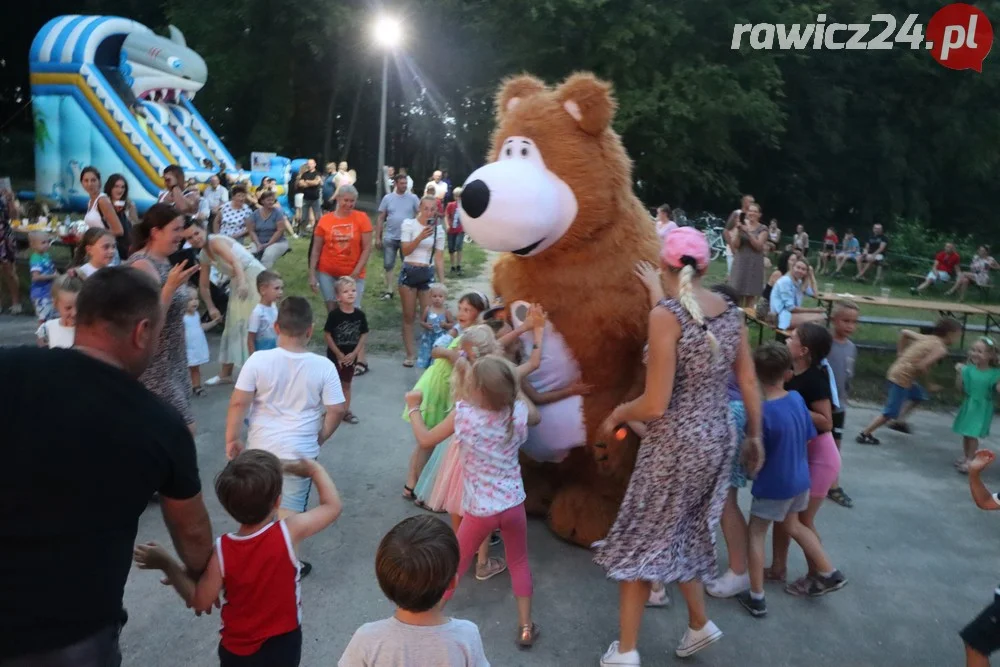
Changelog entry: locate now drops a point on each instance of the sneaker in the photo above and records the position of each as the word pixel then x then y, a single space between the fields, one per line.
pixel 901 427
pixel 16 309
pixel 216 380
pixel 304 569
pixel 695 640
pixel 728 585
pixel 495 538
pixel 658 597
pixel 757 608
pixel 913 290
pixel 867 439
pixel 491 568
pixel 460 272
pixel 823 585
pixel 612 658
pixel 386 296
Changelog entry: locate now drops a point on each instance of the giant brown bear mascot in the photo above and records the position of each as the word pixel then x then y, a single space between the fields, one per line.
pixel 556 199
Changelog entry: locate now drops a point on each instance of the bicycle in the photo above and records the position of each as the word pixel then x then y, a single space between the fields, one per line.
pixel 713 228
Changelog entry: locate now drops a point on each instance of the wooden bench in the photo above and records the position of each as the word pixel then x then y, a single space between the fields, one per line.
pixel 924 326
pixel 752 319
pixel 984 290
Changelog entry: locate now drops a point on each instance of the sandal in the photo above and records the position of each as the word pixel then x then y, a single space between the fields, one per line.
pixel 408 363
pixel 839 496
pixel 491 568
pixel 867 439
pixel 360 369
pixel 800 587
pixel 527 634
pixel 963 467
pixel 408 493
pixel 770 574
pixel 351 418
pixel 198 390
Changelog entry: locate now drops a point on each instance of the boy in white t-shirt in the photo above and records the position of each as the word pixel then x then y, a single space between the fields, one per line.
pixel 61 331
pixel 295 402
pixel 260 329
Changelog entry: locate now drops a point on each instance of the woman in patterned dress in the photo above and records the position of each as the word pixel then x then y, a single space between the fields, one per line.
pixel 233 260
pixel 156 238
pixel 231 220
pixel 8 250
pixel 664 530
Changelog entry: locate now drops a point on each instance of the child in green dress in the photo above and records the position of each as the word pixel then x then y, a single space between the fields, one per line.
pixel 977 379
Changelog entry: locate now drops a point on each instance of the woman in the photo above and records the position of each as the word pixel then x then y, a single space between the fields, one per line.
pixel 100 212
pixel 266 229
pixel 156 238
pixel 231 220
pixel 786 297
pixel 665 526
pixel 800 241
pixel 342 242
pixel 8 250
pixel 784 259
pixel 978 273
pixel 773 235
pixel 422 246
pixel 749 241
pixel 233 260
pixel 116 188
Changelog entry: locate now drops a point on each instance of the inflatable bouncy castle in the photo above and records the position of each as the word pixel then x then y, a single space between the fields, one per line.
pixel 110 92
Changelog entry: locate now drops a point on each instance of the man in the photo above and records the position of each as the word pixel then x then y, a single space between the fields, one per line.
pixel 329 185
pixel 72 489
pixel 456 233
pixel 409 181
pixel 945 264
pixel 215 195
pixel 874 253
pixel 310 184
pixel 173 180
pixel 397 206
pixel 440 187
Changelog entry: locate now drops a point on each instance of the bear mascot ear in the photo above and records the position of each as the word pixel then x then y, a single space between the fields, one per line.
pixel 515 89
pixel 588 100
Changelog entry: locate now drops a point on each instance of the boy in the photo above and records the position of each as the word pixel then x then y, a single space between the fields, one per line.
pixel 346 331
pixel 781 488
pixel 841 359
pixel 416 564
pixel 295 402
pixel 982 635
pixel 260 331
pixel 43 272
pixel 255 565
pixel 916 354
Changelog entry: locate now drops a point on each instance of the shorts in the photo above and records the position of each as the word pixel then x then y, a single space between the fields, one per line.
pixel 278 651
pixel 328 287
pixel 738 416
pixel 824 464
pixel 838 425
pixel 314 206
pixel 44 308
pixel 943 276
pixel 778 510
pixel 983 634
pixel 346 374
pixel 299 200
pixel 295 492
pixel 849 255
pixel 899 395
pixel 878 259
pixel 391 248
pixel 416 277
pixel 455 242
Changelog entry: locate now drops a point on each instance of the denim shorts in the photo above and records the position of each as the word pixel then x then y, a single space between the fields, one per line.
pixel 328 287
pixel 295 492
pixel 455 242
pixel 391 249
pixel 778 510
pixel 899 395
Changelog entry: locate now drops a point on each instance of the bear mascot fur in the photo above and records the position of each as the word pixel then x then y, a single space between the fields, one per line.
pixel 556 198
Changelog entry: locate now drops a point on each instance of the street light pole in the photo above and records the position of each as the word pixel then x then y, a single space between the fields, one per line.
pixel 381 131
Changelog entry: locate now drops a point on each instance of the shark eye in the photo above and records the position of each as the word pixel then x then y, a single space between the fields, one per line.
pixel 174 62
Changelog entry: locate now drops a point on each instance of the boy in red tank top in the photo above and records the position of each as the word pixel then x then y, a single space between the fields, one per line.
pixel 255 569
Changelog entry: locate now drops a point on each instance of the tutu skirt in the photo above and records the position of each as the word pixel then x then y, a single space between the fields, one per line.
pixel 435 384
pixel 449 484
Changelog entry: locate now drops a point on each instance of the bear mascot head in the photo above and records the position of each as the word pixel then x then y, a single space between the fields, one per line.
pixel 556 198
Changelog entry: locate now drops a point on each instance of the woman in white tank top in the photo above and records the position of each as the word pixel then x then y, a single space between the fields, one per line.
pixel 100 212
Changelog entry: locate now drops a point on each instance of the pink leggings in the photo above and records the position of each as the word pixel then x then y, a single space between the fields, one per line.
pixel 824 464
pixel 513 525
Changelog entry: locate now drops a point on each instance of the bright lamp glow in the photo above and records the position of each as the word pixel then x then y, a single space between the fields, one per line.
pixel 388 32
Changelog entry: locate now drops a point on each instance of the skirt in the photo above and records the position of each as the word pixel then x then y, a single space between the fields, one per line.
pixel 449 485
pixel 233 348
pixel 428 476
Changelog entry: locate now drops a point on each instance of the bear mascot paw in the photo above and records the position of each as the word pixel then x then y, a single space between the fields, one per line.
pixel 556 199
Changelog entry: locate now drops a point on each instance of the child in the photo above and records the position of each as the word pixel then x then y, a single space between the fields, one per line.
pixel 60 332
pixel 851 248
pixel 491 426
pixel 346 331
pixel 435 386
pixel 436 320
pixel 829 249
pixel 95 251
pixel 260 329
pixel 981 636
pixel 916 354
pixel 841 359
pixel 255 566
pixel 415 566
pixel 197 344
pixel 43 273
pixel 978 380
pixel 781 488
pixel 295 402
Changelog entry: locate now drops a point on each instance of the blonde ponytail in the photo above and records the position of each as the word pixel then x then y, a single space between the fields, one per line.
pixel 687 299
pixel 482 341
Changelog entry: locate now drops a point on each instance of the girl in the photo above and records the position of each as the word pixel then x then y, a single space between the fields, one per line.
pixel 830 241
pixel 436 320
pixel 800 241
pixel 197 344
pixel 435 386
pixel 773 235
pixel 977 380
pixel 60 332
pixel 491 423
pixel 809 344
pixel 95 251
pixel 116 188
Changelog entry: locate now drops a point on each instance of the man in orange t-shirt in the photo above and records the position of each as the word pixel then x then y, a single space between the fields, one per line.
pixel 341 245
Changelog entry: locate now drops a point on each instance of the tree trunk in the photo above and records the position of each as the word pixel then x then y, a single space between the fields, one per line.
pixel 354 122
pixel 331 109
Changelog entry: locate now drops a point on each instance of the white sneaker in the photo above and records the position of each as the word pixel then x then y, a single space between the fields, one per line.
pixel 728 585
pixel 658 598
pixel 216 380
pixel 695 640
pixel 612 658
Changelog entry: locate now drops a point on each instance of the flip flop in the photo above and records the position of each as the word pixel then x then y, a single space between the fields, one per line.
pixel 351 418
pixel 408 363
pixel 360 369
pixel 408 493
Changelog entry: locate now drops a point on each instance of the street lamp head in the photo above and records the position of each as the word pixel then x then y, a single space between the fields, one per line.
pixel 388 32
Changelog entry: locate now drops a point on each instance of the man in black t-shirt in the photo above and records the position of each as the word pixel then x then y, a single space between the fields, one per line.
pixel 310 184
pixel 73 485
pixel 873 253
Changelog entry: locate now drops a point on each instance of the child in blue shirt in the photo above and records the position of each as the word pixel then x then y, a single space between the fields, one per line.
pixel 43 272
pixel 781 488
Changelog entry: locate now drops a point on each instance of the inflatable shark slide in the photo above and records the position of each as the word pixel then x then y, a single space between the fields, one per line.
pixel 110 92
